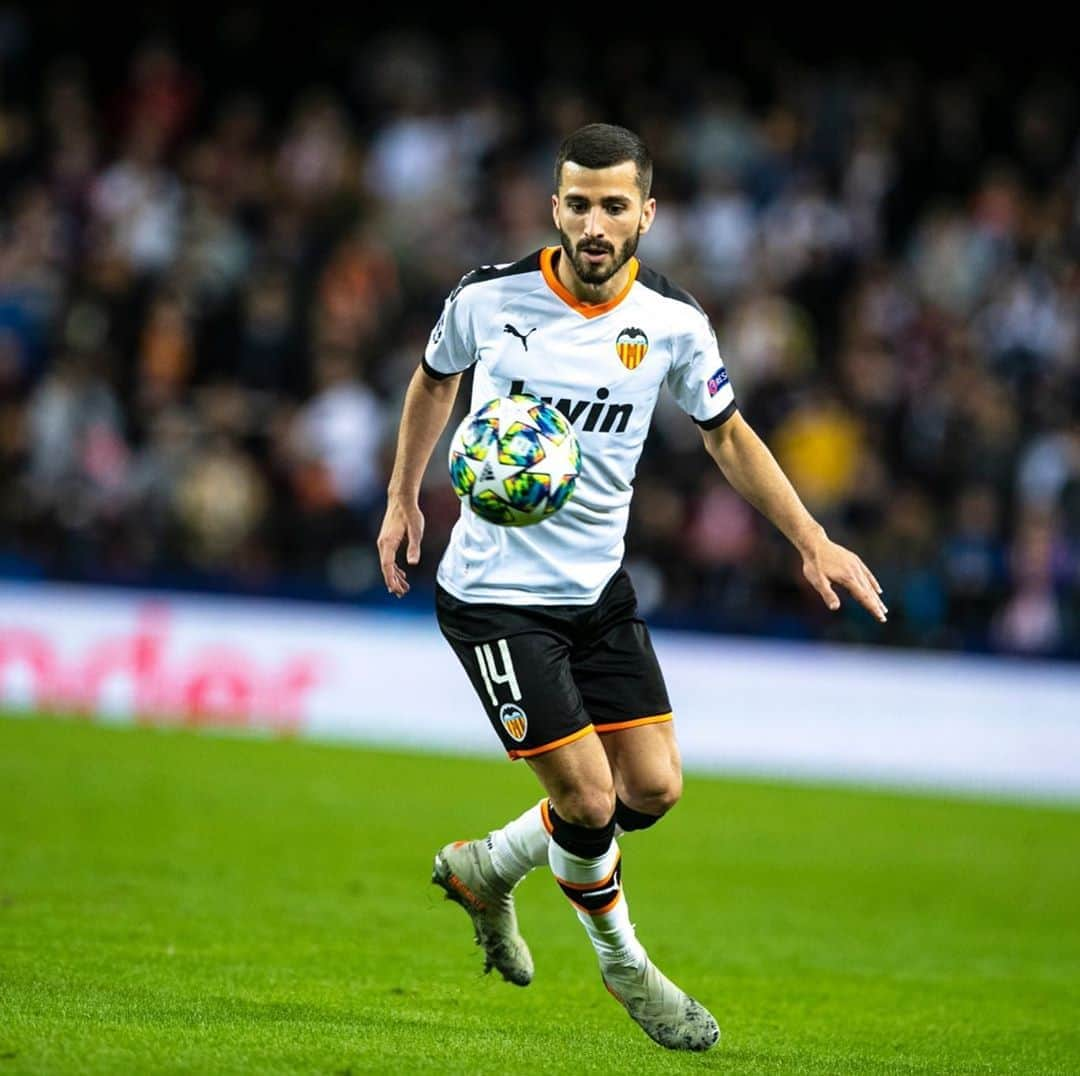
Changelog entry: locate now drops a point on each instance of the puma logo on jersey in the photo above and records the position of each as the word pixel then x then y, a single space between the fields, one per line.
pixel 508 328
pixel 599 416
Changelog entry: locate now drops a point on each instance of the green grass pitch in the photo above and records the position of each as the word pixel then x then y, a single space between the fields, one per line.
pixel 171 902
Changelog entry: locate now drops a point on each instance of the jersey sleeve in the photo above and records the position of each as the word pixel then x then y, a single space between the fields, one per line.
pixel 450 347
pixel 698 379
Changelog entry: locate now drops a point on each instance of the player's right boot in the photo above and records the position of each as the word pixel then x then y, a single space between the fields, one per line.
pixel 664 1012
pixel 464 870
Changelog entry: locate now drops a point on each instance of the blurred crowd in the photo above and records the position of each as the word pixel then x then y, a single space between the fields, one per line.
pixel 213 294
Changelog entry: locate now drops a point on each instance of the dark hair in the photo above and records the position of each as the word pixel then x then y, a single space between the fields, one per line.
pixel 602 145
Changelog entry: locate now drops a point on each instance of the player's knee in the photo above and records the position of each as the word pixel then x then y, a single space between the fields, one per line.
pixel 591 807
pixel 657 795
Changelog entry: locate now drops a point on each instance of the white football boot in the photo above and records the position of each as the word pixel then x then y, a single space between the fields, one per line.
pixel 464 870
pixel 664 1012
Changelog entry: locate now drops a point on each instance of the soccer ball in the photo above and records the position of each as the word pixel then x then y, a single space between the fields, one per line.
pixel 515 460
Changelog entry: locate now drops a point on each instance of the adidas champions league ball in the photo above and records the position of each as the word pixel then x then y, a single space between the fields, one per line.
pixel 515 460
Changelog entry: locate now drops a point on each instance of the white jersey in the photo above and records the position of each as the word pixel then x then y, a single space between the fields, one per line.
pixel 603 367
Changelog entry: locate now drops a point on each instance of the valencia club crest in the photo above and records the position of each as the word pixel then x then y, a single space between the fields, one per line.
pixel 632 345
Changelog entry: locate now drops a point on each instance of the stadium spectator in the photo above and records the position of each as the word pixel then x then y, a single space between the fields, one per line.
pixel 905 239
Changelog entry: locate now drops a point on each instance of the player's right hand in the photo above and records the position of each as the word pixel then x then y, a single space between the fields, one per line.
pixel 403 521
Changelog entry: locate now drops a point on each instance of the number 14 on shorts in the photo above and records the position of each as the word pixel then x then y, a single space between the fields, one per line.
pixel 491 674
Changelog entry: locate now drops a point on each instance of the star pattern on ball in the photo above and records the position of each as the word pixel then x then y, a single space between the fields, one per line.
pixel 558 461
pixel 515 460
pixel 493 475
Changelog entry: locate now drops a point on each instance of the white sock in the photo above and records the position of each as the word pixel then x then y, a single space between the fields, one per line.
pixel 596 884
pixel 521 844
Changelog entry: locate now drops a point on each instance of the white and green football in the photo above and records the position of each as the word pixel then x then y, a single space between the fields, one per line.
pixel 515 460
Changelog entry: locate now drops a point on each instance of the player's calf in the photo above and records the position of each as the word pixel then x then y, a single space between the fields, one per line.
pixel 587 864
pixel 628 819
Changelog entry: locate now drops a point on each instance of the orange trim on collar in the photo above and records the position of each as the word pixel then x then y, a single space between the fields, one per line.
pixel 587 310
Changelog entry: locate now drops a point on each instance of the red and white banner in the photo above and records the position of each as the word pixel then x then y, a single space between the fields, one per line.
pixel 226 662
pixel 992 725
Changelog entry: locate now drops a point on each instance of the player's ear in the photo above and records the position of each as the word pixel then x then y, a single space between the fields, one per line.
pixel 648 215
pixel 555 209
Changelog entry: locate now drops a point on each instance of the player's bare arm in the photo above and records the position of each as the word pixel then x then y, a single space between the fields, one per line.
pixel 753 472
pixel 428 404
pixel 544 621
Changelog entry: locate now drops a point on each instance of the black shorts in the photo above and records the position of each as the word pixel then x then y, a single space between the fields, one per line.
pixel 550 674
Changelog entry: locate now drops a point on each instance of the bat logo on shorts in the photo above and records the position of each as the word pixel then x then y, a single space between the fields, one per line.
pixel 514 721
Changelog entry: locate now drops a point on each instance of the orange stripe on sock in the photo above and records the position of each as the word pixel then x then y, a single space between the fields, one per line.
pixel 607 907
pixel 598 911
pixel 656 719
pixel 544 748
pixel 545 817
pixel 593 885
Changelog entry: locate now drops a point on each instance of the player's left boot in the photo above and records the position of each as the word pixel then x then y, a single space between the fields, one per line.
pixel 665 1013
pixel 464 870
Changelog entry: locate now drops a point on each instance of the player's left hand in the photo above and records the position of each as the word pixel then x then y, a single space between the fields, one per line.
pixel 827 563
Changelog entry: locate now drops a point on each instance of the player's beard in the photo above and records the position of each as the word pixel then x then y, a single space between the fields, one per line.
pixel 595 274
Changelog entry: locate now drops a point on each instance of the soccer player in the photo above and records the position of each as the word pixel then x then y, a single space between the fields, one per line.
pixel 544 618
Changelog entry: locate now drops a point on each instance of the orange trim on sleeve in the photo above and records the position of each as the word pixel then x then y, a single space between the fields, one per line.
pixel 656 719
pixel 587 310
pixel 544 748
pixel 545 817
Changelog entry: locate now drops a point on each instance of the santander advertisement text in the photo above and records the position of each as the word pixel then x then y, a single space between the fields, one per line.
pixel 388 678
pixel 145 668
pixel 233 663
